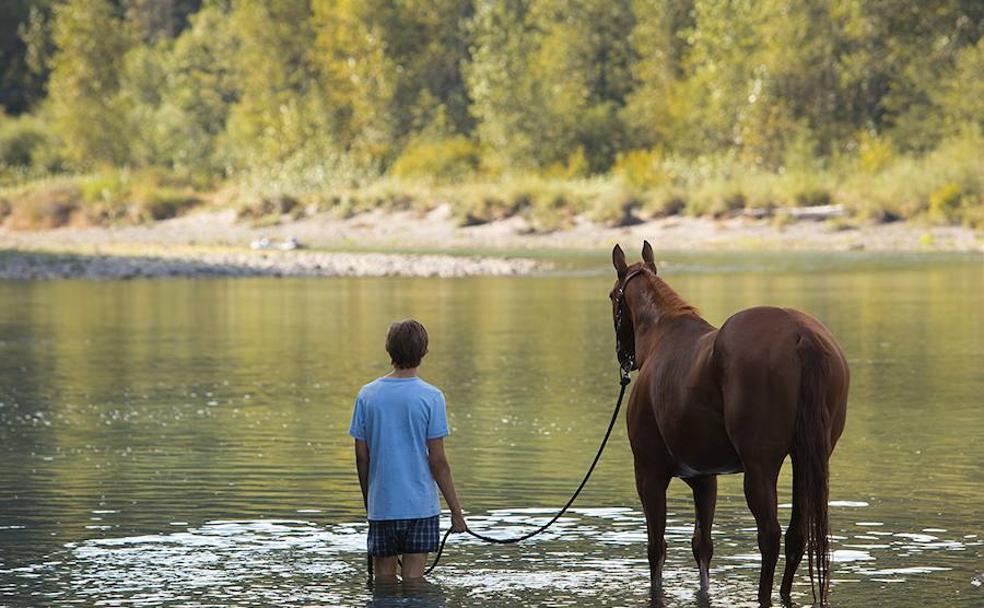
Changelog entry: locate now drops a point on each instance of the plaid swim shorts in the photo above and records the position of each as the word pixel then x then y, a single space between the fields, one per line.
pixel 390 537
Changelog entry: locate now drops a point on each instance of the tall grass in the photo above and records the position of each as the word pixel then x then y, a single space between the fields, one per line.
pixel 875 184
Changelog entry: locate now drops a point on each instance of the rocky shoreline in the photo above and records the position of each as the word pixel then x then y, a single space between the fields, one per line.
pixel 44 265
pixel 216 243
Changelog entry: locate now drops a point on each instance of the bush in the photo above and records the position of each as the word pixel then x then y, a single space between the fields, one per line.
pixel 576 166
pixel 477 208
pixel 21 140
pixel 875 153
pixel 640 169
pixel 165 203
pixel 945 202
pixel 44 205
pixel 445 160
pixel 264 206
pixel 946 184
pixel 717 199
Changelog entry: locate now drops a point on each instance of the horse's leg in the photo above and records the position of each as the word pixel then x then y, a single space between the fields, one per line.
pixel 795 543
pixel 652 492
pixel 760 493
pixel 705 499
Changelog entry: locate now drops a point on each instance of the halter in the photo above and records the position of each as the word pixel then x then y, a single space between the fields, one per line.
pixel 625 360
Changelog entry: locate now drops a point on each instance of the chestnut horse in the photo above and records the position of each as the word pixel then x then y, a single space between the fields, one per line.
pixel 707 401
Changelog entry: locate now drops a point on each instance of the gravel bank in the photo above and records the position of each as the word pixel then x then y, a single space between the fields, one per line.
pixel 214 243
pixel 39 265
pixel 380 230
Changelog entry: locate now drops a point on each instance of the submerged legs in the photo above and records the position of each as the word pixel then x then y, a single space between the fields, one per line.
pixel 760 493
pixel 705 499
pixel 795 542
pixel 652 492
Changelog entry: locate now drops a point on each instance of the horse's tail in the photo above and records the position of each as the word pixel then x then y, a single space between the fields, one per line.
pixel 811 452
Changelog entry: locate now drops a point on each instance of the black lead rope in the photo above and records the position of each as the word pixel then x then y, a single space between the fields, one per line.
pixel 624 382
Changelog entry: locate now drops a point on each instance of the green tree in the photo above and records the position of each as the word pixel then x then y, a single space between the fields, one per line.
pixel 391 70
pixel 278 111
pixel 506 100
pixel 23 42
pixel 654 110
pixel 357 78
pixel 893 55
pixel 157 19
pixel 548 78
pixel 960 95
pixel 85 76
pixel 201 89
pixel 584 65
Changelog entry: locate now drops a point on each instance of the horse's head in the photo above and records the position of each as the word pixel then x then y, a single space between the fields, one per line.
pixel 621 302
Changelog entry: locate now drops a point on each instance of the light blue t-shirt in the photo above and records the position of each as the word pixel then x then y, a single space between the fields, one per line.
pixel 396 417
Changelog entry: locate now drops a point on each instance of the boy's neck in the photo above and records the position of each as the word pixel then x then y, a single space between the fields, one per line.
pixel 402 373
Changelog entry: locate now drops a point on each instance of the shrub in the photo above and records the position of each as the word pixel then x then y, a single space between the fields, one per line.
pixel 109 187
pixel 313 170
pixel 875 153
pixel 21 139
pixel 813 198
pixel 945 202
pixel 482 207
pixel 551 209
pixel 576 166
pixel 263 206
pixel 611 204
pixel 640 168
pixel 717 199
pixel 43 206
pixel 165 203
pixel 444 160
pixel 972 214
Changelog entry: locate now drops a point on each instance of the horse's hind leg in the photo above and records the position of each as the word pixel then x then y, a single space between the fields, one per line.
pixel 760 493
pixel 705 499
pixel 652 493
pixel 795 543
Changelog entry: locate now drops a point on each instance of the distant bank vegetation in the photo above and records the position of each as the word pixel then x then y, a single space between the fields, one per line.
pixel 134 111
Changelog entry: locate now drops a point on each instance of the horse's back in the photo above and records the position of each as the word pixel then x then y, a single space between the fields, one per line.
pixel 759 355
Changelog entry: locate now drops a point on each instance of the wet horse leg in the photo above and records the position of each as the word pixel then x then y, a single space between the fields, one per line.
pixel 705 499
pixel 795 543
pixel 760 493
pixel 652 493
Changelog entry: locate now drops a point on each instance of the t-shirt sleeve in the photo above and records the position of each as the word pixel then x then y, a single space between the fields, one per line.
pixel 437 426
pixel 357 428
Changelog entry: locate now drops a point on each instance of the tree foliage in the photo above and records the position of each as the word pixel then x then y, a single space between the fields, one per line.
pixel 564 87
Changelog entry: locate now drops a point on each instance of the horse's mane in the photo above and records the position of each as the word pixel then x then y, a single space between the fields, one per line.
pixel 669 301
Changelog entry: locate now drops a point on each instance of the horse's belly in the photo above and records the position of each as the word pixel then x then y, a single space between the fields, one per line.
pixel 683 471
pixel 700 447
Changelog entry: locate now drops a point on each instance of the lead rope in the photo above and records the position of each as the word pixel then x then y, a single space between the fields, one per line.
pixel 624 382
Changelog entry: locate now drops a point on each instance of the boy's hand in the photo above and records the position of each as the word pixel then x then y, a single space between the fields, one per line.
pixel 458 523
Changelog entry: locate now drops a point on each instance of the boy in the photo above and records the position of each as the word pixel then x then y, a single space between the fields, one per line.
pixel 399 425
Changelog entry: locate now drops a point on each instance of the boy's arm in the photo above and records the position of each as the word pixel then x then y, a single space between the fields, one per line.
pixel 441 470
pixel 362 466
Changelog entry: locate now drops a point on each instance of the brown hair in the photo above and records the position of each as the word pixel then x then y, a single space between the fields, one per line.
pixel 406 343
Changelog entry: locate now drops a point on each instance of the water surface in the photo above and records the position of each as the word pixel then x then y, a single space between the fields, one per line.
pixel 182 442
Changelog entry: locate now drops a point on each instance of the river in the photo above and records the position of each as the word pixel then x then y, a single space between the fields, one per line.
pixel 183 442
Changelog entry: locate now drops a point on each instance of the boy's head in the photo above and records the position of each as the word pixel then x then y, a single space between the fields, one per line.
pixel 406 343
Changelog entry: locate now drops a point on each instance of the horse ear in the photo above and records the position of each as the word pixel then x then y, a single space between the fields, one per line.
pixel 618 260
pixel 647 255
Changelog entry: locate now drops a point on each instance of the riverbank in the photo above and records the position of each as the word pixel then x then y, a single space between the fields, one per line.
pixel 412 243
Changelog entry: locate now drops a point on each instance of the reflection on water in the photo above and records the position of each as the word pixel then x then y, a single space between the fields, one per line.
pixel 587 559
pixel 183 442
